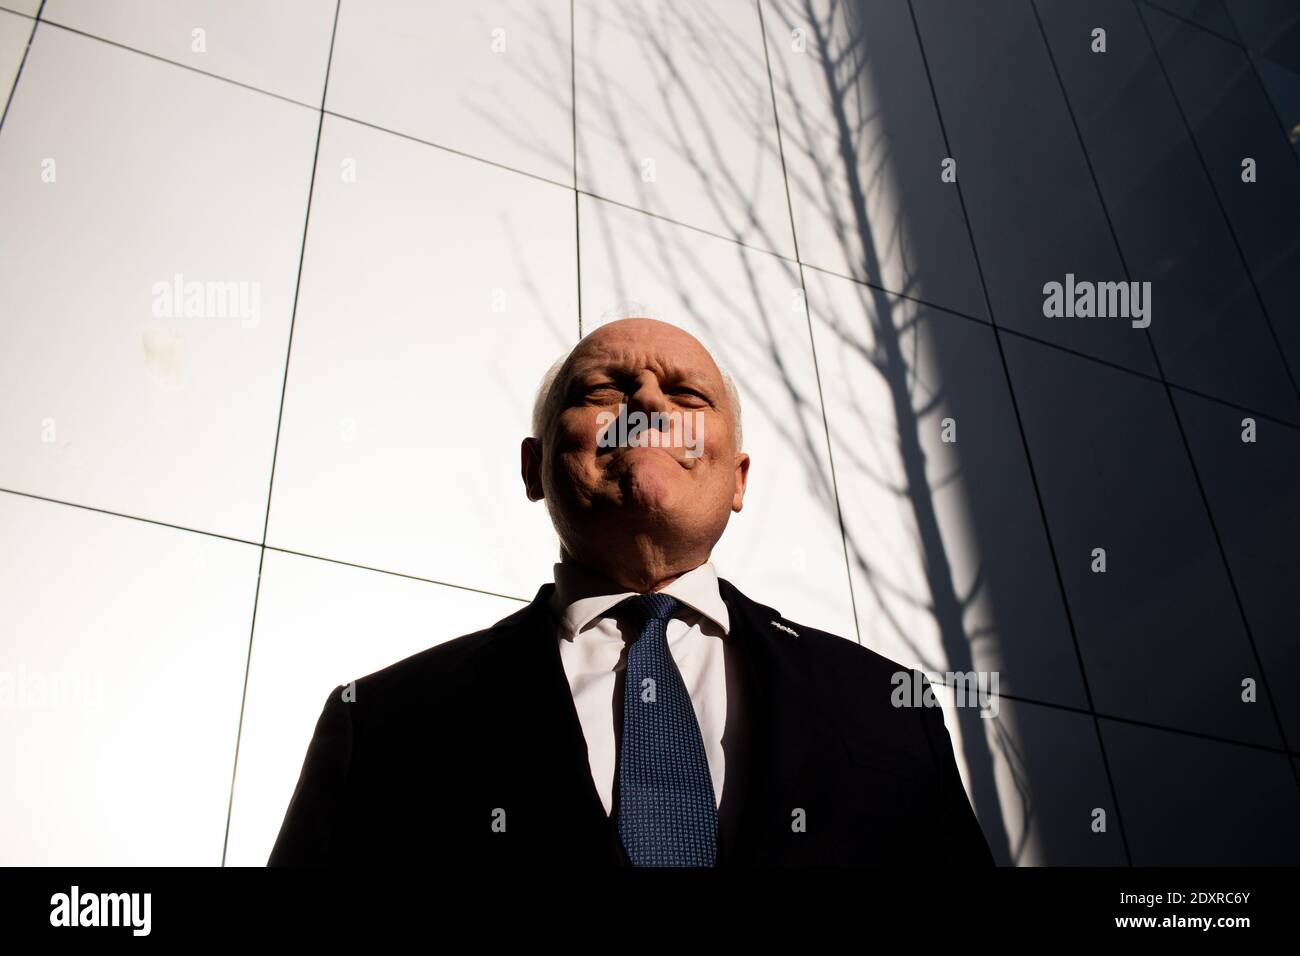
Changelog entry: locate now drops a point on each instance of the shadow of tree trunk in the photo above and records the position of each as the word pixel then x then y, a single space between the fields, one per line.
pixel 883 324
pixel 945 605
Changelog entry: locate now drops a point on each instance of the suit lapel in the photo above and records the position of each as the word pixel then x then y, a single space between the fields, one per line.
pixel 550 749
pixel 769 704
pixel 770 722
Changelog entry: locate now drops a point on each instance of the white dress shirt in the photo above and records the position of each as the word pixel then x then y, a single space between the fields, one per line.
pixel 591 648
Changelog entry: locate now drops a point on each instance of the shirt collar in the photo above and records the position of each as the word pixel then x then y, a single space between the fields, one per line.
pixel 582 596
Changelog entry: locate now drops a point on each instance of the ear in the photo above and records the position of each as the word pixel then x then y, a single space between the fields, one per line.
pixel 530 468
pixel 742 477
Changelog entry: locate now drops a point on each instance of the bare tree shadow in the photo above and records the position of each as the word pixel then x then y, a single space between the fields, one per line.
pixel 882 430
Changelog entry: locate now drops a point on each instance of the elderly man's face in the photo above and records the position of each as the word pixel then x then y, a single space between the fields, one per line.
pixel 677 490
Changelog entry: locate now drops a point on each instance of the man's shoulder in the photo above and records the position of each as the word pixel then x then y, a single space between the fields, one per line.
pixel 824 650
pixel 873 697
pixel 860 680
pixel 449 665
pixel 836 651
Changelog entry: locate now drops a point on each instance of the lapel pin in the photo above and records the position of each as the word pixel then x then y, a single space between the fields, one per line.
pixel 781 627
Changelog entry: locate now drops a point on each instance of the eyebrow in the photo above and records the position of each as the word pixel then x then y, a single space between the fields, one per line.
pixel 696 378
pixel 669 368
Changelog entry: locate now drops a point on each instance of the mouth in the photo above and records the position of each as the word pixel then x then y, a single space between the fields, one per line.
pixel 627 455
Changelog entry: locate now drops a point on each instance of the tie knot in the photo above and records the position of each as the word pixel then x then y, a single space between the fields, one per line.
pixel 647 607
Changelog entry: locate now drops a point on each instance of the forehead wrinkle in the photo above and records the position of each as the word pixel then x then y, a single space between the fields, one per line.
pixel 633 358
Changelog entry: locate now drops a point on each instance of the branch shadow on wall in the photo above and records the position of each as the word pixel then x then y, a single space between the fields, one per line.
pixel 935 584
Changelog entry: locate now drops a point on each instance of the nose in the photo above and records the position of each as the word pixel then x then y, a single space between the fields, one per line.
pixel 648 397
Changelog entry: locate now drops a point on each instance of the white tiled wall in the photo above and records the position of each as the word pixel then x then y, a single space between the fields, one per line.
pixel 321 624
pixel 25 7
pixel 124 650
pixel 489 79
pixel 281 48
pixel 14 34
pixel 435 292
pixel 119 173
pixel 675 115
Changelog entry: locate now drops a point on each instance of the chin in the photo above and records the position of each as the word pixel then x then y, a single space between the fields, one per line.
pixel 654 499
pixel 649 496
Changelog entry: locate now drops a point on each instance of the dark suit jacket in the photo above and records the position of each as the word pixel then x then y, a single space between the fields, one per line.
pixel 481 728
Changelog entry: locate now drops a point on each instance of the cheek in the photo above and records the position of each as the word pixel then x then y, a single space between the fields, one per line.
pixel 573 458
pixel 715 438
pixel 578 430
pixel 571 476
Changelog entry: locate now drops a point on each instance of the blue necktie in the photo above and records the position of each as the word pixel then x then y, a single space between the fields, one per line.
pixel 666 813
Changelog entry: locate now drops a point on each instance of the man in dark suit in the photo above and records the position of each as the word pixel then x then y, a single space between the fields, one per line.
pixel 640 710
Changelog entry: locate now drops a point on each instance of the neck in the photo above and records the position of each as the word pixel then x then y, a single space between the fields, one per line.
pixel 630 569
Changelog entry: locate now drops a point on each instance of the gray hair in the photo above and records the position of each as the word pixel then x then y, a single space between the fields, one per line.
pixel 546 402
